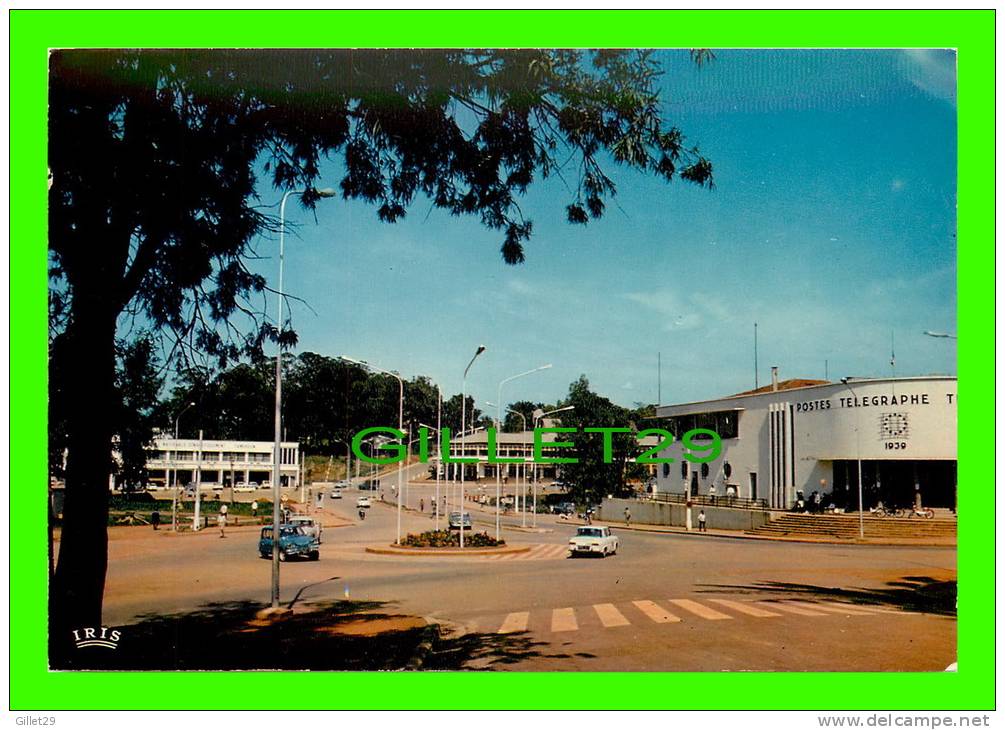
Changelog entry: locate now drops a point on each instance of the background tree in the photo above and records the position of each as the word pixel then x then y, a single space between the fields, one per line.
pixel 591 479
pixel 152 207
pixel 138 384
pixel 513 423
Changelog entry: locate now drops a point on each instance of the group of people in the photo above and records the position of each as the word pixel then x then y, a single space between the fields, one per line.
pixel 815 504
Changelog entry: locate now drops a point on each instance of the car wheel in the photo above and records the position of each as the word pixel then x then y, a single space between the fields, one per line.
pixel 315 555
pixel 282 557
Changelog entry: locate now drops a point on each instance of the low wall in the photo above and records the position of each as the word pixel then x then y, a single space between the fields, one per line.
pixel 647 512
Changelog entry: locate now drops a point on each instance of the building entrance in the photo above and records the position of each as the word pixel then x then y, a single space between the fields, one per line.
pixel 895 483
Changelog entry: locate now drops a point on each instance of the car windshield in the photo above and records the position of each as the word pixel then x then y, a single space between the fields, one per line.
pixel 589 532
pixel 293 530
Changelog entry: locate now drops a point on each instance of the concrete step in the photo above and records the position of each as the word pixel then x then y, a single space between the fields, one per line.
pixel 847 527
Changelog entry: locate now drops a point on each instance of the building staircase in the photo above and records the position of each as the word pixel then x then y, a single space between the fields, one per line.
pixel 940 530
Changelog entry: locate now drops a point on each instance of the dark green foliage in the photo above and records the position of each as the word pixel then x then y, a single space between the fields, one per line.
pixel 445 538
pixel 591 479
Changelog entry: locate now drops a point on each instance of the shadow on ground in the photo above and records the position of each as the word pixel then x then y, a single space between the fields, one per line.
pixel 486 652
pixel 915 593
pixel 340 635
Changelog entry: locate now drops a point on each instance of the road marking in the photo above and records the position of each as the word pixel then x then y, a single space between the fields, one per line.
pixel 747 608
pixel 563 619
pixel 609 615
pixel 699 610
pixel 515 622
pixel 537 552
pixel 656 613
pixel 835 607
pixel 793 607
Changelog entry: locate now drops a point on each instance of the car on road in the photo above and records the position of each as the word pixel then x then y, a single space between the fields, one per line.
pixel 363 503
pixel 593 541
pixel 454 521
pixel 309 525
pixel 293 542
pixel 343 484
pixel 336 493
pixel 564 508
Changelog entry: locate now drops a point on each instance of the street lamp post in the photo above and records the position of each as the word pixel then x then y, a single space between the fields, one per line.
pixel 174 504
pixel 499 422
pixel 401 424
pixel 277 447
pixel 523 455
pixel 536 420
pixel 858 455
pixel 464 399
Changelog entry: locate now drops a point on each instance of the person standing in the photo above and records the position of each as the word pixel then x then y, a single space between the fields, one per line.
pixel 701 522
pixel 422 505
pixel 711 494
pixel 628 517
pixel 254 508
pixel 221 521
pixel 155 519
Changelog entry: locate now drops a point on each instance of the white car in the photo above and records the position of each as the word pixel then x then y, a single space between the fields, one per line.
pixel 309 525
pixel 593 541
pixel 363 503
pixel 336 493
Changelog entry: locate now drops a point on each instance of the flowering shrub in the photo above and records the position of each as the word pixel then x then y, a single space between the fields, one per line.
pixel 445 538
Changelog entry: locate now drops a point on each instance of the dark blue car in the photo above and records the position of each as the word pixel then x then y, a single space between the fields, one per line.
pixel 293 542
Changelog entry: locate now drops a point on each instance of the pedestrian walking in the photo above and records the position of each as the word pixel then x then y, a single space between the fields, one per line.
pixel 711 493
pixel 362 514
pixel 221 521
pixel 254 508
pixel 628 517
pixel 701 522
pixel 155 519
pixel 422 505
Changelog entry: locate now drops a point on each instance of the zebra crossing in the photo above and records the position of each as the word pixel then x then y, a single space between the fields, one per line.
pixel 537 552
pixel 670 611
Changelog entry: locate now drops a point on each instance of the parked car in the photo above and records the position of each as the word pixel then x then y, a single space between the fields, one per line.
pixel 564 508
pixel 363 503
pixel 454 521
pixel 293 542
pixel 244 487
pixel 336 493
pixel 593 541
pixel 309 525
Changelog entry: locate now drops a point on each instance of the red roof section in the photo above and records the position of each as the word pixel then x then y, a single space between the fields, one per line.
pixel 783 385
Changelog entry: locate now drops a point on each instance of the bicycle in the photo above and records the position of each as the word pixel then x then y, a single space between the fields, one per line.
pixel 884 511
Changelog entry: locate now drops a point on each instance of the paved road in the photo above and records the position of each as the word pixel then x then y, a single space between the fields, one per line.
pixel 665 602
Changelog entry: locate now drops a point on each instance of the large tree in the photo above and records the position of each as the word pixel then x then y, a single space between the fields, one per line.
pixel 153 212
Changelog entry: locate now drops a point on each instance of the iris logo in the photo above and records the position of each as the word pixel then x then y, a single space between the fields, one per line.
pixel 103 637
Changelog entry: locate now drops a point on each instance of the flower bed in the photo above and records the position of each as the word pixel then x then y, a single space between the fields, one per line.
pixel 449 539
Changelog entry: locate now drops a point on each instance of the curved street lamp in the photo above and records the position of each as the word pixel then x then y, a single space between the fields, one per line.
pixel 464 402
pixel 277 446
pixel 536 420
pixel 858 455
pixel 174 504
pixel 401 424
pixel 499 425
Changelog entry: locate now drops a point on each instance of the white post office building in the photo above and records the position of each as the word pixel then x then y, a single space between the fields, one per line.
pixel 801 436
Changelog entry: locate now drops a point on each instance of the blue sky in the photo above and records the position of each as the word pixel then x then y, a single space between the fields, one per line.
pixel 832 225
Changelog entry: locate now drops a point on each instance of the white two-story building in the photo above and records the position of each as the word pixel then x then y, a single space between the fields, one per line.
pixel 804 436
pixel 223 463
